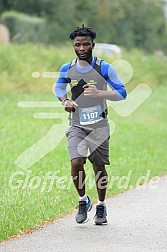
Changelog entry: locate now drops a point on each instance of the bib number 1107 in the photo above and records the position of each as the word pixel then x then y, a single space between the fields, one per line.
pixel 90 115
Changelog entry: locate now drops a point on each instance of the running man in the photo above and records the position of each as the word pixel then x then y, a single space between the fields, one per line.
pixel 88 77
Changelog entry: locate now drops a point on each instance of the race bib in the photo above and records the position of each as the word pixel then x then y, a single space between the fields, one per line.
pixel 90 115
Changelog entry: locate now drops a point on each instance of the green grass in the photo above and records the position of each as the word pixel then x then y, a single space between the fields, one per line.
pixel 138 144
pixel 18 62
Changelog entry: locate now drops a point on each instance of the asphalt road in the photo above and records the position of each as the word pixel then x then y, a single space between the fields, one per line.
pixel 137 222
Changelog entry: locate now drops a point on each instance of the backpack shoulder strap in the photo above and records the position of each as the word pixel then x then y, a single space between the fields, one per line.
pixel 98 61
pixel 73 62
pixel 97 65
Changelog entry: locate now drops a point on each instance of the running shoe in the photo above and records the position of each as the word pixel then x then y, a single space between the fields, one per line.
pixel 83 209
pixel 101 215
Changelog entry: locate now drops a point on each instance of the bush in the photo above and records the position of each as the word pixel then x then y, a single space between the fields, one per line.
pixel 25 28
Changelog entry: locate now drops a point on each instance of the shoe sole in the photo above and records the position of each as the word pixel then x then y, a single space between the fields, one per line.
pixel 100 224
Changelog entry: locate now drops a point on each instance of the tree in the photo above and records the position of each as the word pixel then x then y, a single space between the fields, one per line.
pixel 129 23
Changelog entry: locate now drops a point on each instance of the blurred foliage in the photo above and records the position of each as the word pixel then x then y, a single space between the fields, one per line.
pixel 127 23
pixel 18 62
pixel 24 28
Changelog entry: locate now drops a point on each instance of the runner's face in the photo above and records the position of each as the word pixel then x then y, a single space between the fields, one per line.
pixel 83 47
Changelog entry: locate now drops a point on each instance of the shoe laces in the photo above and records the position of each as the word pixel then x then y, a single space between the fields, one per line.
pixel 100 211
pixel 81 207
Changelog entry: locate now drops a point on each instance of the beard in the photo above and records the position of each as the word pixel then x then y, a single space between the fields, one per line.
pixel 85 55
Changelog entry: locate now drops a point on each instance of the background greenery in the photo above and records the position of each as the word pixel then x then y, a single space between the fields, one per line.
pixel 139 143
pixel 19 25
pixel 128 23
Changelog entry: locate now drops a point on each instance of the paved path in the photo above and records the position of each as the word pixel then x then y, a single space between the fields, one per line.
pixel 137 223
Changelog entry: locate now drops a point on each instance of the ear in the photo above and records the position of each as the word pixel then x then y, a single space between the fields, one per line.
pixel 93 45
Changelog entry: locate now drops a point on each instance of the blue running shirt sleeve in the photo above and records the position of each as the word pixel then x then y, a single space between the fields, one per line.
pixel 110 75
pixel 62 81
pixel 107 71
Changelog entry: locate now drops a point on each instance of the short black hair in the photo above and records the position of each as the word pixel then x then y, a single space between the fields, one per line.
pixel 83 31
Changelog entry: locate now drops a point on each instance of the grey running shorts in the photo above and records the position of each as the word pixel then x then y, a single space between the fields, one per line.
pixel 82 140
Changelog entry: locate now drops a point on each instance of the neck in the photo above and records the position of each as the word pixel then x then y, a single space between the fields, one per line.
pixel 85 63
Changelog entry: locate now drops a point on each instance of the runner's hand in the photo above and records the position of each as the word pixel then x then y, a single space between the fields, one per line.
pixel 90 90
pixel 70 105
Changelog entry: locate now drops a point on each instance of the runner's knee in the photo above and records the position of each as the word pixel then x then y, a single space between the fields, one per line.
pixel 100 169
pixel 77 164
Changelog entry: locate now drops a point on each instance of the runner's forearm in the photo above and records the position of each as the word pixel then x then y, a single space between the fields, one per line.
pixel 109 95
